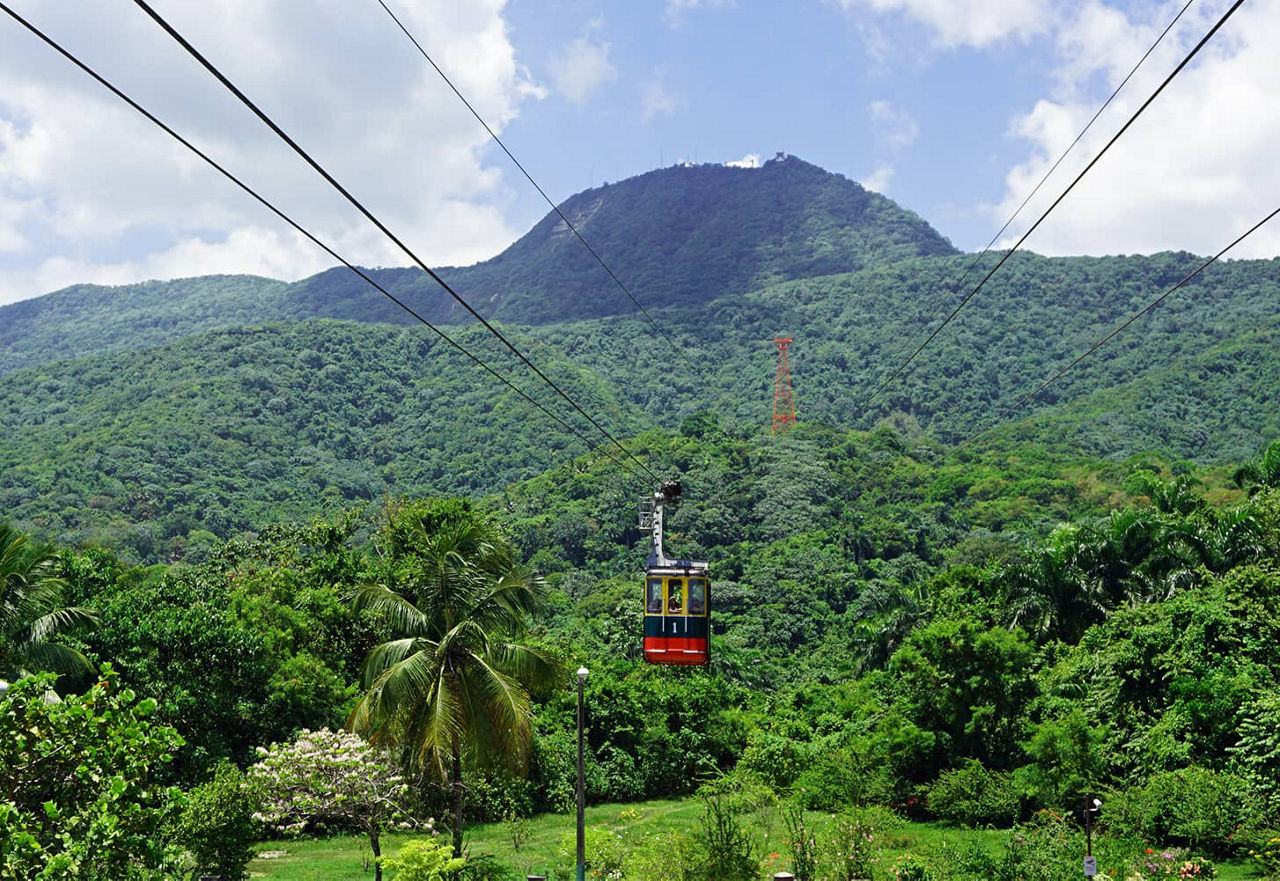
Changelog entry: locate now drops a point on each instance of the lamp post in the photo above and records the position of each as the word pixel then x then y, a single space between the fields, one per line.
pixel 1091 807
pixel 582 831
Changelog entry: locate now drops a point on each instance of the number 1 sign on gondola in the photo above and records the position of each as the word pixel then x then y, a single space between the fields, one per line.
pixel 677 595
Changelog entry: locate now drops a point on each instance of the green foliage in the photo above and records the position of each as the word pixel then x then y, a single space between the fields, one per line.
pixel 1194 807
pixel 424 859
pixel 331 780
pixel 452 691
pixel 1066 760
pixel 839 778
pixel 31 610
pixel 852 855
pixel 78 794
pixel 1266 856
pixel 604 851
pixel 241 650
pixel 729 851
pixel 218 826
pixel 909 868
pixel 801 842
pixel 975 796
pixel 669 854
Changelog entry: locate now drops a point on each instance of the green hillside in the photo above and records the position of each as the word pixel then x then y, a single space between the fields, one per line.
pixel 677 236
pixel 192 415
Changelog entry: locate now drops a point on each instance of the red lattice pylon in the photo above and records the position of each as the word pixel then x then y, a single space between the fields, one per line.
pixel 784 407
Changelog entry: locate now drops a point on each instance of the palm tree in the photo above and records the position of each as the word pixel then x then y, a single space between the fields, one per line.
pixel 1262 472
pixel 31 613
pixel 452 693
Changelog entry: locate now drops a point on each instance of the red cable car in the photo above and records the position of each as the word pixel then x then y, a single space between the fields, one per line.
pixel 677 595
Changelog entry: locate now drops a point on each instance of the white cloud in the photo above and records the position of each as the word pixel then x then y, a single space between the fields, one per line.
pixel 751 160
pixel 676 9
pixel 895 127
pixel 879 179
pixel 657 98
pixel 581 67
pixel 1194 171
pixel 977 23
pixel 91 192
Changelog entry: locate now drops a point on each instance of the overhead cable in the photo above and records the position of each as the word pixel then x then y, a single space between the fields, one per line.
pixel 1088 125
pixel 1009 252
pixel 554 207
pixel 303 231
pixel 382 227
pixel 1008 411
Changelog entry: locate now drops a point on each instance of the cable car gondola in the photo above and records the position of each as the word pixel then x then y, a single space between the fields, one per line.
pixel 677 595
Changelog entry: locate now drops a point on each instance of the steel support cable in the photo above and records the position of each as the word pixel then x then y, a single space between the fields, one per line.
pixel 1009 252
pixel 302 230
pixel 382 227
pixel 1017 405
pixel 554 207
pixel 1045 177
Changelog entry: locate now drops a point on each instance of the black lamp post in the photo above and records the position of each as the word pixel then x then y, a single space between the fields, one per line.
pixel 1091 807
pixel 582 832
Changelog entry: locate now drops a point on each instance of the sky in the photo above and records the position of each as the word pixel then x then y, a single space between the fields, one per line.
pixel 953 108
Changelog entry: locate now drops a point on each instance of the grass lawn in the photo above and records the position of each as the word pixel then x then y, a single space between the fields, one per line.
pixel 548 845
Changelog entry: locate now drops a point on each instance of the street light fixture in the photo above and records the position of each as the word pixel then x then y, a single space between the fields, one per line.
pixel 1091 808
pixel 582 831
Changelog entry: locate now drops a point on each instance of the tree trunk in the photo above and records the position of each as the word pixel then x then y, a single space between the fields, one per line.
pixel 377 852
pixel 457 799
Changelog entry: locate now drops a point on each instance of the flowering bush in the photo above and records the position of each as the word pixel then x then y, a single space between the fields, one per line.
pixel 1267 856
pixel 1175 863
pixel 333 778
pixel 802 844
pixel 853 846
pixel 909 868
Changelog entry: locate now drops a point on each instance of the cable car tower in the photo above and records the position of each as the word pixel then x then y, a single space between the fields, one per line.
pixel 677 593
pixel 784 407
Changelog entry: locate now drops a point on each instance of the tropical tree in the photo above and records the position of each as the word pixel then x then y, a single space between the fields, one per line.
pixel 1262 472
pixel 452 692
pixel 31 610
pixel 1048 596
pixel 333 778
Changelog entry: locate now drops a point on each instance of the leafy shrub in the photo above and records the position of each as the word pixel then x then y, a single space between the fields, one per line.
pixel 670 854
pixel 778 760
pixel 1194 807
pixel 852 854
pixel 78 777
pixel 730 852
pixel 802 843
pixel 1266 856
pixel 423 859
pixel 604 851
pixel 838 779
pixel 218 826
pixel 910 868
pixel 970 861
pixel 975 796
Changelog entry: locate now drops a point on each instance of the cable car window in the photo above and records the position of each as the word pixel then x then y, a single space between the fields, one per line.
pixel 675 596
pixel 653 597
pixel 697 596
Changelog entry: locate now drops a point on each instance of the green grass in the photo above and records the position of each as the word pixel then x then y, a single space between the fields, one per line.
pixel 548 848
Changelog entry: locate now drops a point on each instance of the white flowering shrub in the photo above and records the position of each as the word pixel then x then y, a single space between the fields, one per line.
pixel 332 778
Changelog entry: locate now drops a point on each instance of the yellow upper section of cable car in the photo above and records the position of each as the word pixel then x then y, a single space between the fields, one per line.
pixel 675 595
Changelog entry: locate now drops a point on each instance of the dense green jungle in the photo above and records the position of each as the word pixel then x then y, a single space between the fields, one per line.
pixel 236 509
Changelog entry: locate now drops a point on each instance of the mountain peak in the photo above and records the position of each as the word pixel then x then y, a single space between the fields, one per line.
pixel 685 234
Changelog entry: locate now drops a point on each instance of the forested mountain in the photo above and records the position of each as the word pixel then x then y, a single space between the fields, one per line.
pixel 910 614
pixel 184 428
pixel 679 236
